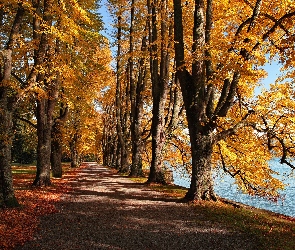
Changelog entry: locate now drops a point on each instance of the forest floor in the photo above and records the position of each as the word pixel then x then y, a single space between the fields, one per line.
pixel 96 208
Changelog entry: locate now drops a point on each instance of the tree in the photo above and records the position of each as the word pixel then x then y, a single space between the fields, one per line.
pixel 24 143
pixel 57 142
pixel 38 41
pixel 64 34
pixel 137 86
pixel 217 78
pixel 7 99
pixel 122 100
pixel 160 76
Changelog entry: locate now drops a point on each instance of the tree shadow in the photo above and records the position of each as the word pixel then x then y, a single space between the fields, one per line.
pixel 106 211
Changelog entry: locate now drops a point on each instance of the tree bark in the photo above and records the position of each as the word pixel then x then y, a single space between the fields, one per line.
pixel 7 197
pixel 7 101
pixel 160 78
pixel 109 143
pixel 44 126
pixel 75 162
pixel 197 97
pixel 201 186
pixel 136 90
pixel 56 142
pixel 124 167
pixel 56 154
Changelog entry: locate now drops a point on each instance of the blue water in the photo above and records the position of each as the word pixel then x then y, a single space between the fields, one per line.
pixel 225 187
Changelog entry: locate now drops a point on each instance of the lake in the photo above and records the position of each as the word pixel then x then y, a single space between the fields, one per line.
pixel 225 187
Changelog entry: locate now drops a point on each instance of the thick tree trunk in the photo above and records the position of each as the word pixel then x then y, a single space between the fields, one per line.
pixel 160 78
pixel 44 127
pixel 56 151
pixel 7 197
pixel 74 152
pixel 56 142
pixel 201 186
pixel 136 167
pixel 158 140
pixel 198 99
pixel 7 101
pixel 124 163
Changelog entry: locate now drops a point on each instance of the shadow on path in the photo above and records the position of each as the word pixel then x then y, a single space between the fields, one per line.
pixel 107 211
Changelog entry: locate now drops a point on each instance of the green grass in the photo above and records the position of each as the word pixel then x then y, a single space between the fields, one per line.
pixel 17 168
pixel 138 179
pixel 23 171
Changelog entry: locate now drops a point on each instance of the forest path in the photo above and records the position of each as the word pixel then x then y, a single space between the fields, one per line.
pixel 107 211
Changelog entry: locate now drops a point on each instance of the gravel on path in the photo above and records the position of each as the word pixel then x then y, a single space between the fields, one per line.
pixel 107 211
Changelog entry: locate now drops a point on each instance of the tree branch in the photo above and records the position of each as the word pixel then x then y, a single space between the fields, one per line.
pixel 255 14
pixel 224 166
pixel 18 78
pixel 27 121
pixel 231 131
pixel 227 95
pixel 273 28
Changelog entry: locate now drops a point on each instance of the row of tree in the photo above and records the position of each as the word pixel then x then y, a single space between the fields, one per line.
pixel 180 89
pixel 53 64
pixel 186 75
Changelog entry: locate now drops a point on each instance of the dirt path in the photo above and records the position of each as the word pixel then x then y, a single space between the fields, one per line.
pixel 107 211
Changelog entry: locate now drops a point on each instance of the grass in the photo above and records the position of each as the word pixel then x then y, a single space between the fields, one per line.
pixel 269 230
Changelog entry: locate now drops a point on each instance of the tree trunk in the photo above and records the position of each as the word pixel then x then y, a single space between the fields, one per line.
pixel 7 197
pixel 159 92
pixel 74 159
pixel 121 133
pixel 201 186
pixel 45 105
pixel 44 127
pixel 136 113
pixel 136 167
pixel 56 151
pixel 198 99
pixel 74 152
pixel 56 142
pixel 7 101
